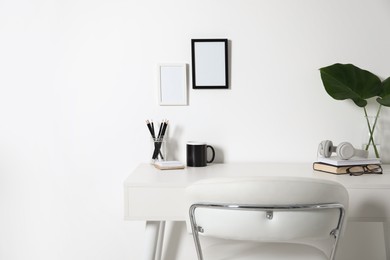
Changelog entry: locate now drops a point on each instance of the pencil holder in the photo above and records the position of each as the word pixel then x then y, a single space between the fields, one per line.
pixel 158 152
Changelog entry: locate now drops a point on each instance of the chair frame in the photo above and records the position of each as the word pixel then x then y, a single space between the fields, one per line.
pixel 269 211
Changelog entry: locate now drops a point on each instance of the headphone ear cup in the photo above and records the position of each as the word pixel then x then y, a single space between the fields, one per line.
pixel 326 147
pixel 345 150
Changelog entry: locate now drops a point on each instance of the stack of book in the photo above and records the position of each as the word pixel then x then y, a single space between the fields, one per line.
pixel 353 166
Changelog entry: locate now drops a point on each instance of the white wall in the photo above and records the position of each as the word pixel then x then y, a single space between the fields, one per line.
pixel 78 80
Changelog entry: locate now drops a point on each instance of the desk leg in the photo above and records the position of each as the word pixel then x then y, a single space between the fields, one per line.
pixel 159 245
pixel 154 237
pixel 386 231
pixel 152 229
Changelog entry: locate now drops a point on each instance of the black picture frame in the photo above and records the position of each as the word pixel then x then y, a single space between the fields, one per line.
pixel 210 63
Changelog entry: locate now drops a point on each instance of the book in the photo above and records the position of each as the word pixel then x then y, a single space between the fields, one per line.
pixel 351 169
pixel 169 165
pixel 336 161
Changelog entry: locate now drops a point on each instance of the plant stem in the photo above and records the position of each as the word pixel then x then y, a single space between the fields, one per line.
pixel 371 140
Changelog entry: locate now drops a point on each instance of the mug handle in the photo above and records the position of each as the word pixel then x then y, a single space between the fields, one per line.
pixel 212 149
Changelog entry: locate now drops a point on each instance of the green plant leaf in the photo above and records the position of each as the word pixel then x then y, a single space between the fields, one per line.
pixel 346 81
pixel 384 98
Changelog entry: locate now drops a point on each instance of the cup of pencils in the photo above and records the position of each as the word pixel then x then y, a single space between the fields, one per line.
pixel 159 149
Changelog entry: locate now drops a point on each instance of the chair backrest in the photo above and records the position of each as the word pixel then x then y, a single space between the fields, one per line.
pixel 267 209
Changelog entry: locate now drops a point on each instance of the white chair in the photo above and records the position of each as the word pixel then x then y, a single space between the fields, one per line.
pixel 267 217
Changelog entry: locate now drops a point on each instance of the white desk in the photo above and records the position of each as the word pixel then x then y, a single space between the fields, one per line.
pixel 157 196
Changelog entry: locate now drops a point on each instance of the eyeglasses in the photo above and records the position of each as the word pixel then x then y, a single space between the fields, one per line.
pixel 358 170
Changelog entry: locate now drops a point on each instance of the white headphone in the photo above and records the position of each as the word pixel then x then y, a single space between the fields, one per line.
pixel 344 150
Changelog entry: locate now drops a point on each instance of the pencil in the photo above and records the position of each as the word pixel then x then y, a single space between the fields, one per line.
pixel 150 128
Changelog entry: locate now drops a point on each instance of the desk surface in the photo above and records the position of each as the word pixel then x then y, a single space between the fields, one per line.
pixel 152 194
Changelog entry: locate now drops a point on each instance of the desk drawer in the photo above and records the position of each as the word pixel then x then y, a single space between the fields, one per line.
pixel 155 203
pixel 168 203
pixel 369 203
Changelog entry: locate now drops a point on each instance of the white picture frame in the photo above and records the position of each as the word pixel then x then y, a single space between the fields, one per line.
pixel 172 84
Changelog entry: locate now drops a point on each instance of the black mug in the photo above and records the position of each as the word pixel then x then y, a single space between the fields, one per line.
pixel 197 154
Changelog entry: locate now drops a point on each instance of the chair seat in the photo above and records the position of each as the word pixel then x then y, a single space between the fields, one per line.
pixel 233 250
